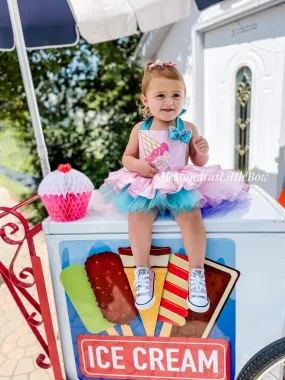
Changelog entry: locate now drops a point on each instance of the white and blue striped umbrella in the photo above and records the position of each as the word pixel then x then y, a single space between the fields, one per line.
pixel 34 24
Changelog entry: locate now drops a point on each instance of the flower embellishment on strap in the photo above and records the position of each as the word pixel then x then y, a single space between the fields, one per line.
pixel 176 134
pixel 158 62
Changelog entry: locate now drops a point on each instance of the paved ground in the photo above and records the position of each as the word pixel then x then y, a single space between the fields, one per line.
pixel 18 346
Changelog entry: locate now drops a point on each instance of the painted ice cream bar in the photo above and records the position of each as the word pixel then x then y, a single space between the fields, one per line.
pixel 111 287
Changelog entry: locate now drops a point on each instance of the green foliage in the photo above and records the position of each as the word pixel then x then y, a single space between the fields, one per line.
pixel 87 96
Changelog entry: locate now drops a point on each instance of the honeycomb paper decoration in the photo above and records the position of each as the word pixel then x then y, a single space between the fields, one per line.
pixel 66 193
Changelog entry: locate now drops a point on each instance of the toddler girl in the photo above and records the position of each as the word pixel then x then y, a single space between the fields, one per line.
pixel 156 178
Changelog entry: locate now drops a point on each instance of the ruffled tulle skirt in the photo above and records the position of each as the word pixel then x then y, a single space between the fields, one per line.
pixel 209 188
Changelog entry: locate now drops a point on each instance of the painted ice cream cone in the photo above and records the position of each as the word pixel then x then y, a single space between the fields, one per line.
pixel 159 257
pixel 149 316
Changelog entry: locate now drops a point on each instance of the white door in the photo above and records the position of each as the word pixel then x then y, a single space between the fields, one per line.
pixel 258 43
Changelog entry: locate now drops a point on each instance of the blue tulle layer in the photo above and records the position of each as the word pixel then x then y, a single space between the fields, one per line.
pixel 173 204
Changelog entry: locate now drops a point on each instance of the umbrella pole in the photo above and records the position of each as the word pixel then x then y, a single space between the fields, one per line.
pixel 28 84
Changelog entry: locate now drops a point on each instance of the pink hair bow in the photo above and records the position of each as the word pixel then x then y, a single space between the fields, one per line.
pixel 158 62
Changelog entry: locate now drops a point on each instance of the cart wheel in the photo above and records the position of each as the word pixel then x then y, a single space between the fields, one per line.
pixel 265 363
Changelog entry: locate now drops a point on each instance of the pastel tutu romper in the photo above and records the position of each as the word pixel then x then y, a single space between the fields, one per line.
pixel 177 186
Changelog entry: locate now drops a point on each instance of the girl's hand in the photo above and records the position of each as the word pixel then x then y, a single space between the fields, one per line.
pixel 146 168
pixel 201 145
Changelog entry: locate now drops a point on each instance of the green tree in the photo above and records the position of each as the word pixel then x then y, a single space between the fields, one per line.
pixel 88 99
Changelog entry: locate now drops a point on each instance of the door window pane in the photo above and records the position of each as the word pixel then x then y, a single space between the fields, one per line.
pixel 243 112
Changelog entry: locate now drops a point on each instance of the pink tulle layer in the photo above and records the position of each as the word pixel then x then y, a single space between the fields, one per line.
pixel 213 184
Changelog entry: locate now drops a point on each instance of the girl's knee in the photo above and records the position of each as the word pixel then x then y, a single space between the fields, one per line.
pixel 189 217
pixel 196 213
pixel 145 217
pixel 135 216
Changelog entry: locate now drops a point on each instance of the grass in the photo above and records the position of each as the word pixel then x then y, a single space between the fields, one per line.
pixel 10 152
pixel 18 190
pixel 12 157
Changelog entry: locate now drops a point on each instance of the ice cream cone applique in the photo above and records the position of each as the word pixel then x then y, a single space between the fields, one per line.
pixel 149 145
pixel 159 257
pixel 155 152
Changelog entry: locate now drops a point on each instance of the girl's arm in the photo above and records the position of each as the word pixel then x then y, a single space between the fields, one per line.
pixel 199 157
pixel 131 154
pixel 130 157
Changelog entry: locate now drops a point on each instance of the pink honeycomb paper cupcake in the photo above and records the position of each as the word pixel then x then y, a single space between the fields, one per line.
pixel 66 193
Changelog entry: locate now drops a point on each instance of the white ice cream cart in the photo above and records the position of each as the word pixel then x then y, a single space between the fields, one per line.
pixel 245 272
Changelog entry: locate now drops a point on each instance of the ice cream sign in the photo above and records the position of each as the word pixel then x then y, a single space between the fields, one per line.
pixel 114 340
pixel 153 358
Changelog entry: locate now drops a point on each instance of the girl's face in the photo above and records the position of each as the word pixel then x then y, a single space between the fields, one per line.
pixel 165 98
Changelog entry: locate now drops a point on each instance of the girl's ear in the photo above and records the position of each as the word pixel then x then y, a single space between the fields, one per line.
pixel 144 100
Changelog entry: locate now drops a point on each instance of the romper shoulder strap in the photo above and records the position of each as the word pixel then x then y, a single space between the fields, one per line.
pixel 147 123
pixel 179 122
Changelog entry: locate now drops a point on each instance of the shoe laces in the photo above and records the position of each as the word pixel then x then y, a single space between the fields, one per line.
pixel 142 282
pixel 197 283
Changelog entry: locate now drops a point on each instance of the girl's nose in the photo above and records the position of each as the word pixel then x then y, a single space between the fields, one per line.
pixel 168 100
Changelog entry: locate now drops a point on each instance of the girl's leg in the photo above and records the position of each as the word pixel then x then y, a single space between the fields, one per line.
pixel 140 235
pixel 194 240
pixel 193 236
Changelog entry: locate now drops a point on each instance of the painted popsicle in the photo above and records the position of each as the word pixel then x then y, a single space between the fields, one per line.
pixel 79 291
pixel 220 281
pixel 98 307
pixel 173 306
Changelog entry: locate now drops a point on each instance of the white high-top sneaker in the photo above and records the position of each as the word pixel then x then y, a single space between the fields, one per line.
pixel 198 300
pixel 144 283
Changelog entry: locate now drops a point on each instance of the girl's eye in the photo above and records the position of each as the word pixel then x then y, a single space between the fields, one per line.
pixel 176 95
pixel 160 95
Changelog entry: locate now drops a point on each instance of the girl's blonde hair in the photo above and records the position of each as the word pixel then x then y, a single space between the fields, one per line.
pixel 167 71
